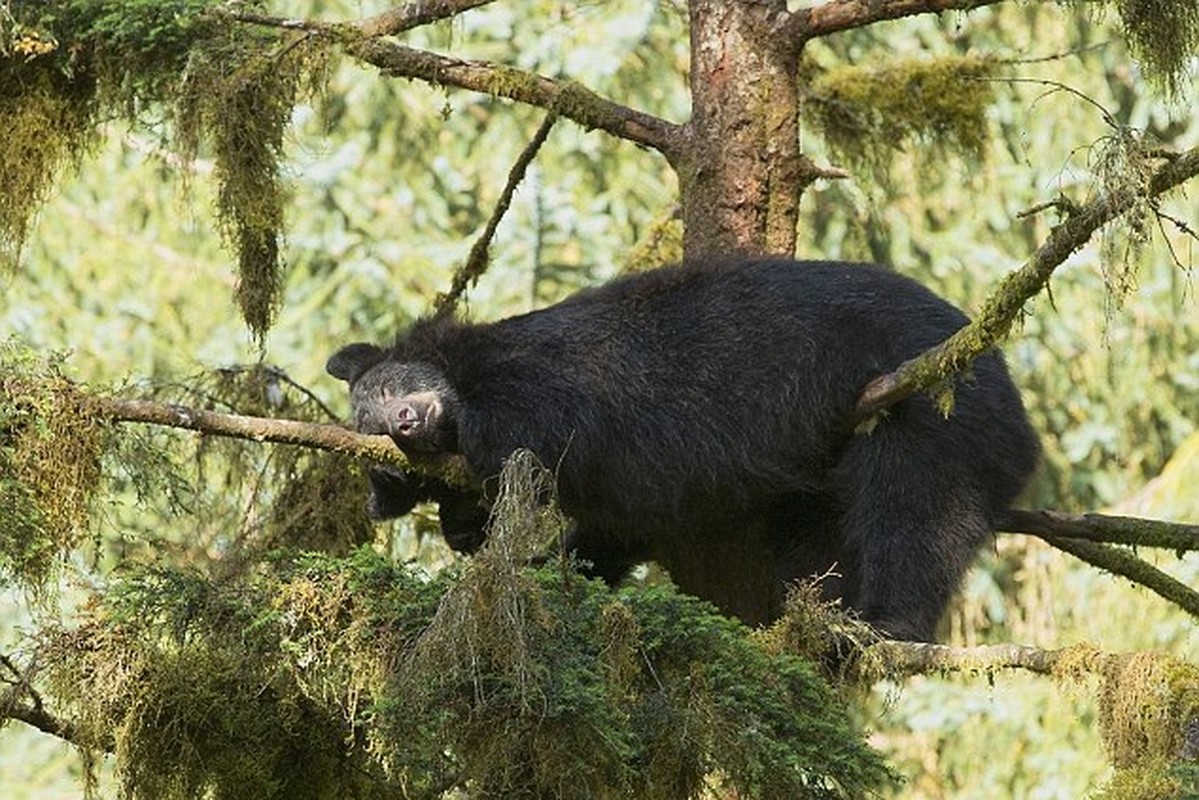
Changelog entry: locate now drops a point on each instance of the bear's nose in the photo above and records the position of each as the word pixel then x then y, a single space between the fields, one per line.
pixel 407 418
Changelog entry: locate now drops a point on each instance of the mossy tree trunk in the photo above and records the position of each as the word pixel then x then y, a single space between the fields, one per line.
pixel 740 179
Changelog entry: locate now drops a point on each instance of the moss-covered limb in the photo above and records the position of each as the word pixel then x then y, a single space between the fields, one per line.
pixel 476 262
pixel 1134 531
pixel 1148 703
pixel 901 659
pixel 334 438
pixel 564 98
pixel 21 702
pixel 936 365
pixel 1125 564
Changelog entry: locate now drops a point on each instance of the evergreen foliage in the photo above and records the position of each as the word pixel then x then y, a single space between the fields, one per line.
pixel 312 676
pixel 217 671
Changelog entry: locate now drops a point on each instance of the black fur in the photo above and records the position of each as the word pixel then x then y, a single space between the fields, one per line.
pixel 462 514
pixel 697 416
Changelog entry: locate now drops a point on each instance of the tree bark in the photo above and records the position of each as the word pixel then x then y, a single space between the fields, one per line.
pixel 741 178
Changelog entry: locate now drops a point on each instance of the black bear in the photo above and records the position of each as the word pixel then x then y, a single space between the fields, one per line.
pixel 697 416
pixel 462 514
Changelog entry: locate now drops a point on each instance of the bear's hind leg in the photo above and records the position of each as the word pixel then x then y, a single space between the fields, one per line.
pixel 914 519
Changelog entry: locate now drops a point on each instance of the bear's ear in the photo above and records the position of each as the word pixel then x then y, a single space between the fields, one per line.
pixel 352 360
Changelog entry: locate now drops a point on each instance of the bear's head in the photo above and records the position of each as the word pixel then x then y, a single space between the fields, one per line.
pixel 413 403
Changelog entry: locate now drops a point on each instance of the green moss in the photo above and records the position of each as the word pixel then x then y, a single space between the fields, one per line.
pixel 51 442
pixel 312 676
pixel 868 113
pixel 65 65
pixel 1163 35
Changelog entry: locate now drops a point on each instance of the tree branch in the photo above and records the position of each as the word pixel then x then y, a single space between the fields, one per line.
pixel 1088 538
pixel 841 15
pixel 564 98
pixel 413 14
pixel 380 449
pixel 476 262
pixel 568 99
pixel 999 311
pixel 921 658
pixel 388 23
pixel 1120 562
pixel 1132 531
pixel 22 702
pixel 38 718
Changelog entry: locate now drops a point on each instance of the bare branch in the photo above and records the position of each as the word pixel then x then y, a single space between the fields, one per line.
pixel 380 449
pixel 841 15
pixel 476 262
pixel 565 98
pixel 1005 304
pixel 413 14
pixel 1132 531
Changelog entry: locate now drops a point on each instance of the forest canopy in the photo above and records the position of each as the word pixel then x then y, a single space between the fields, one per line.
pixel 201 200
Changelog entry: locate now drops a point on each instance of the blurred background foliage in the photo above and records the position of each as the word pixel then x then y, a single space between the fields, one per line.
pixel 390 181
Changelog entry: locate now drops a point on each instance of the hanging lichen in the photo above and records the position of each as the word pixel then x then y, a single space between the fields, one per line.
pixel 51 442
pixel 867 114
pixel 65 65
pixel 1163 35
pixel 1148 718
pixel 1123 165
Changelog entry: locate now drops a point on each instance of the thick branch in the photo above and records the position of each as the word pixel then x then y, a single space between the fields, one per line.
pixel 573 101
pixel 841 15
pixel 1133 531
pixel 335 438
pixel 564 98
pixel 414 14
pixel 956 353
